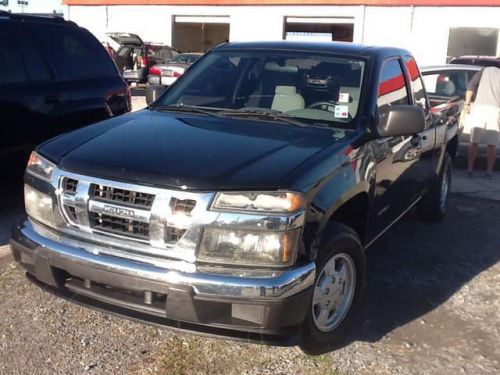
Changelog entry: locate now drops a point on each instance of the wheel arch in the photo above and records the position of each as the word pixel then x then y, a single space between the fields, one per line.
pixel 350 209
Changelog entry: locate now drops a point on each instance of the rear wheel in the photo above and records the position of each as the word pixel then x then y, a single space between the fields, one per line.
pixel 433 205
pixel 338 289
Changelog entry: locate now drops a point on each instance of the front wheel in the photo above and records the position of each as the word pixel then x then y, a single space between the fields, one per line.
pixel 434 203
pixel 338 289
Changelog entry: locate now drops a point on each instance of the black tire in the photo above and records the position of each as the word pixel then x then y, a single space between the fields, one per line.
pixel 341 240
pixel 433 206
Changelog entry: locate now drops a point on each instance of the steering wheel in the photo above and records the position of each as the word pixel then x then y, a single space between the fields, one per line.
pixel 319 104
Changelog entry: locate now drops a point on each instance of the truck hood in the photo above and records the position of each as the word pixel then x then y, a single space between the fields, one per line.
pixel 190 151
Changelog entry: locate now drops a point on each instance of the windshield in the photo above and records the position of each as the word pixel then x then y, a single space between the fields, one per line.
pixel 319 89
pixel 184 58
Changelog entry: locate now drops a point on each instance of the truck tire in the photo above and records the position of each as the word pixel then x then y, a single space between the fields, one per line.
pixel 434 203
pixel 338 290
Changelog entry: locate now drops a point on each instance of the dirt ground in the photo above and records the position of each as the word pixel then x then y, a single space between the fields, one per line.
pixel 432 307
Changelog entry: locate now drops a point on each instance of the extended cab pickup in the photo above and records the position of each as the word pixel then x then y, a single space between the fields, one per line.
pixel 241 202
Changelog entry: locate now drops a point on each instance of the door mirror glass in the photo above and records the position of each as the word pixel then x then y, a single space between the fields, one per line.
pixel 402 120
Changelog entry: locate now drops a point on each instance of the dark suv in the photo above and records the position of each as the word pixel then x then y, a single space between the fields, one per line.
pixel 54 77
pixel 135 57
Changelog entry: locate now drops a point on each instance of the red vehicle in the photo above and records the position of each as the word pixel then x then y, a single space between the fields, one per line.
pixel 134 58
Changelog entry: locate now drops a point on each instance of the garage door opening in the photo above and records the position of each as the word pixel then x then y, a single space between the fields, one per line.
pixel 319 29
pixel 199 33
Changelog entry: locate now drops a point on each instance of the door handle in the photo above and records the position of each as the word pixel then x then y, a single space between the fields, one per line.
pixel 52 99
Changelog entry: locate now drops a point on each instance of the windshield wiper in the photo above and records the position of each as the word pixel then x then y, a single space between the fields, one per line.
pixel 268 113
pixel 208 111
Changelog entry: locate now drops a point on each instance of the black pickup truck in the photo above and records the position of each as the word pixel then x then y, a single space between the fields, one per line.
pixel 242 201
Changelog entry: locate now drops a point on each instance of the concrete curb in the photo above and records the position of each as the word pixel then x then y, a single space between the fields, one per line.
pixel 4 251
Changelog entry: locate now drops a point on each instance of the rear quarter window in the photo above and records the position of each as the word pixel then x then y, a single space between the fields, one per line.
pixel 74 52
pixel 12 67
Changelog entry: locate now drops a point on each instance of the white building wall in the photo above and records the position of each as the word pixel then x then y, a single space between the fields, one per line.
pixel 422 30
pixel 387 26
pixel 431 27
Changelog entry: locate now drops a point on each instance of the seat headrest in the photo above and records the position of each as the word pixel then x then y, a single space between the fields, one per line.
pixel 449 88
pixel 286 90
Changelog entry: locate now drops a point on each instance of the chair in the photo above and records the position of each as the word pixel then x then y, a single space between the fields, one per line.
pixel 287 99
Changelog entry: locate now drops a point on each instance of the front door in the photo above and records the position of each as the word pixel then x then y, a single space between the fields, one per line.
pixel 397 182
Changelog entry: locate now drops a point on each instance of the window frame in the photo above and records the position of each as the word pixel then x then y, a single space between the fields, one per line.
pixel 409 95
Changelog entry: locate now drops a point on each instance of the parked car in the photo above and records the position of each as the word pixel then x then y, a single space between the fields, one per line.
pixel 446 86
pixel 166 74
pixel 242 201
pixel 134 57
pixel 54 77
pixel 162 76
pixel 477 60
pixel 444 82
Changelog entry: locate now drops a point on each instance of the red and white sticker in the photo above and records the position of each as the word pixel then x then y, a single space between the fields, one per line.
pixel 343 97
pixel 341 111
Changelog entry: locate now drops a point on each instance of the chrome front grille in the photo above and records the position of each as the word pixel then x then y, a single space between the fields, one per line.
pixel 116 195
pixel 70 185
pixel 120 226
pixel 184 206
pixel 134 220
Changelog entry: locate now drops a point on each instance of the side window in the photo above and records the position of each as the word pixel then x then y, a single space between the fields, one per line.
pixel 166 53
pixel 417 85
pixel 12 67
pixel 38 70
pixel 74 51
pixel 392 88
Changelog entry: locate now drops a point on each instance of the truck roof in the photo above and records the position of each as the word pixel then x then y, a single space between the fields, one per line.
pixel 330 47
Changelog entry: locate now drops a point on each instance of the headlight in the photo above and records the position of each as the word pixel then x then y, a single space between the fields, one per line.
pixel 249 248
pixel 39 206
pixel 272 202
pixel 40 167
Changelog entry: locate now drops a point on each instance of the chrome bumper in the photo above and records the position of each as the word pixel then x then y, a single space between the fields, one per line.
pixel 39 252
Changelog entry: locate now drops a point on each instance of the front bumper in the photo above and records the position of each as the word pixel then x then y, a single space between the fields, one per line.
pixel 264 307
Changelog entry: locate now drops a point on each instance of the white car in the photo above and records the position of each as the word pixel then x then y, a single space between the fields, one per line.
pixel 168 73
pixel 162 76
pixel 449 82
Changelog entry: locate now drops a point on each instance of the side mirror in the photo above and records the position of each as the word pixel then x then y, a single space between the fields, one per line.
pixel 401 120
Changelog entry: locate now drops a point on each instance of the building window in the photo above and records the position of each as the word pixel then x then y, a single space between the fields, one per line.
pixel 199 33
pixel 472 41
pixel 319 28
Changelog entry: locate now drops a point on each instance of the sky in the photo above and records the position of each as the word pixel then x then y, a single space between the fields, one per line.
pixel 35 6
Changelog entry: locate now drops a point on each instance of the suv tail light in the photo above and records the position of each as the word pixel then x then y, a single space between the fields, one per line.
pixel 155 71
pixel 176 74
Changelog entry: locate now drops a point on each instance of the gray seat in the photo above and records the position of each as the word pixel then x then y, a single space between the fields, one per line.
pixel 287 99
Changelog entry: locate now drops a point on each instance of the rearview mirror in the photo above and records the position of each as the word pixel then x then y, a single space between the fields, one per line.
pixel 401 120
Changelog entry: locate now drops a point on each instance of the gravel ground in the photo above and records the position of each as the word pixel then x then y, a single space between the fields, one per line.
pixel 432 307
